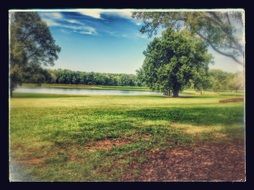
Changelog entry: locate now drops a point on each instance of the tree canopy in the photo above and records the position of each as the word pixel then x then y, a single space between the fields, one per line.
pixel 221 80
pixel 31 45
pixel 222 31
pixel 64 76
pixel 173 60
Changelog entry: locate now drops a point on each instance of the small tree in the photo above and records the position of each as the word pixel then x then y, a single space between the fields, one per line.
pixel 174 59
pixel 220 79
pixel 237 82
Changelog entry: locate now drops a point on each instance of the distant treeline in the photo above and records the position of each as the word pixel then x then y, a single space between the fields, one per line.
pixel 217 80
pixel 65 76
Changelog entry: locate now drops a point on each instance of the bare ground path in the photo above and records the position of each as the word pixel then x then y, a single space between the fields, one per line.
pixel 201 162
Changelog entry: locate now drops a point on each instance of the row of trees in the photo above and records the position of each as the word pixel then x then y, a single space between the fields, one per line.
pixel 65 76
pixel 216 80
pixel 219 80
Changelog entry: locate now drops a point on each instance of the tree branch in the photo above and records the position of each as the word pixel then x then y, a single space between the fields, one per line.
pixel 228 19
pixel 220 24
pixel 219 51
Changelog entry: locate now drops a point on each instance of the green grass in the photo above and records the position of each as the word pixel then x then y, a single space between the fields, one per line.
pixel 53 136
pixel 82 86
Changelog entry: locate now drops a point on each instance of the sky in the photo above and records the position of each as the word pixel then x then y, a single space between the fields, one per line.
pixel 106 41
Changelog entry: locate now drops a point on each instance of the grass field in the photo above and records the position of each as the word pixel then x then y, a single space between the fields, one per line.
pixel 99 138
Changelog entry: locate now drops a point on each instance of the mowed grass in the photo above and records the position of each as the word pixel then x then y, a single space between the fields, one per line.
pixel 96 138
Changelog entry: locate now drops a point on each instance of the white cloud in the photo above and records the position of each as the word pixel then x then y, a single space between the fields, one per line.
pixel 96 13
pixel 72 21
pixel 124 13
pixel 53 18
pixel 82 29
pixel 57 15
pixel 90 32
pixel 50 22
pixel 52 15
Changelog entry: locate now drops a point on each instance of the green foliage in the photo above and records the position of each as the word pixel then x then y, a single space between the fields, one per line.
pixel 64 76
pixel 237 82
pixel 173 60
pixel 140 77
pixel 221 80
pixel 221 30
pixel 36 74
pixel 31 45
pixel 218 81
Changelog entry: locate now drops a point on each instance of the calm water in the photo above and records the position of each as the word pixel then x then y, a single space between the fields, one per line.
pixel 82 91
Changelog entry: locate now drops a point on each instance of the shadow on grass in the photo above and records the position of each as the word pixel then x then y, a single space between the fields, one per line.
pixel 197 116
pixel 185 96
pixel 204 115
pixel 191 96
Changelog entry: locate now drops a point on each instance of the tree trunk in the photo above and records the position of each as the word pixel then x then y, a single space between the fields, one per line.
pixel 175 93
pixel 166 92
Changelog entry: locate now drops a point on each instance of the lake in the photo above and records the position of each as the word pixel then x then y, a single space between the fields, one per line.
pixel 82 91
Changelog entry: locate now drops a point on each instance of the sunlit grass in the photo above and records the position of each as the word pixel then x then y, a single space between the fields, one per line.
pixel 51 134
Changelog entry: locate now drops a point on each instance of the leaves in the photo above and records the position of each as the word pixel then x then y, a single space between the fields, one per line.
pixel 223 31
pixel 31 45
pixel 173 60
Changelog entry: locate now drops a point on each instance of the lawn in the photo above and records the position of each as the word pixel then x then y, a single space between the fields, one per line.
pixel 115 138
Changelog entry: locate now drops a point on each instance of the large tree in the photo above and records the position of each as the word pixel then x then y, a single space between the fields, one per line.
pixel 221 30
pixel 31 45
pixel 173 60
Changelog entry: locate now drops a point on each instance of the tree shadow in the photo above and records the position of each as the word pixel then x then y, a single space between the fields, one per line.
pixel 191 96
pixel 196 116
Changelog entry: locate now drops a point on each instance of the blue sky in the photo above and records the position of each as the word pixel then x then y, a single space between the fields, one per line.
pixel 105 41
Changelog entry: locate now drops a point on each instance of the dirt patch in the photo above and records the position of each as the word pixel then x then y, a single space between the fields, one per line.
pixel 231 100
pixel 201 162
pixel 106 144
pixel 146 137
pixel 32 161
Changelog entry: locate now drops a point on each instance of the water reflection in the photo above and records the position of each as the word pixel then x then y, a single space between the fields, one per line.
pixel 82 91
